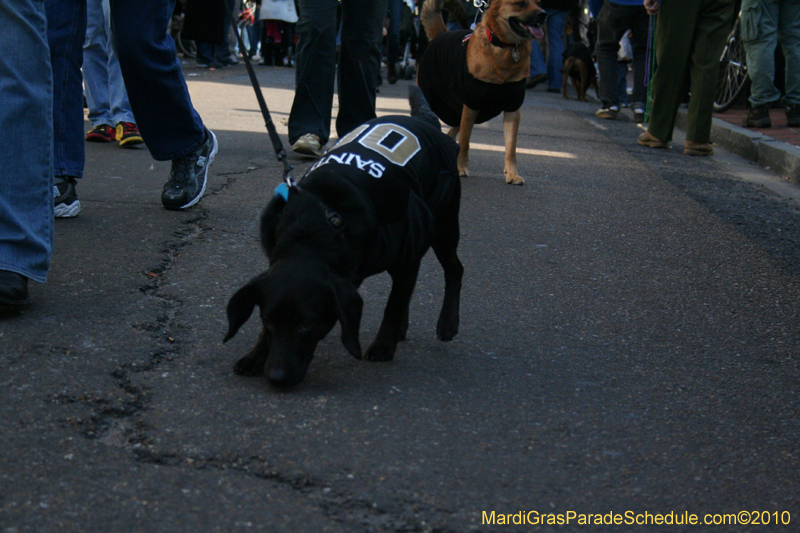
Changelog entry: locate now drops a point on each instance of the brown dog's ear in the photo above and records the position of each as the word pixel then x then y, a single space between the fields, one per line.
pixel 241 305
pixel 348 308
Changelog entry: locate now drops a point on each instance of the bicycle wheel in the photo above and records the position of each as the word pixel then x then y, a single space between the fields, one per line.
pixel 733 79
pixel 186 47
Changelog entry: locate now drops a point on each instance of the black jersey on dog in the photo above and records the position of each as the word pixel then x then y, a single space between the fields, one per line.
pixel 384 159
pixel 376 202
pixel 448 86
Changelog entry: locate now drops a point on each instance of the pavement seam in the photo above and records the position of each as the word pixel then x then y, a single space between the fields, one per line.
pixel 338 505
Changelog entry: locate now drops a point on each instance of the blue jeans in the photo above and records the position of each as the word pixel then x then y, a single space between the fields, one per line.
pixel 169 124
pixel 537 60
pixel 26 120
pixel 209 53
pixel 105 89
pixel 556 24
pixel 765 23
pixel 594 7
pixel 66 31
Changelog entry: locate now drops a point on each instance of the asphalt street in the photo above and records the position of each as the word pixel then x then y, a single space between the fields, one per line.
pixel 629 343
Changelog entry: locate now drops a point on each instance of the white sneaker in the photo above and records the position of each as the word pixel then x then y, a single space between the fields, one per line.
pixel 308 144
pixel 607 112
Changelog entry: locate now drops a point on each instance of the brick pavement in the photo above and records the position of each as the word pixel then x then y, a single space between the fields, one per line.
pixel 778 131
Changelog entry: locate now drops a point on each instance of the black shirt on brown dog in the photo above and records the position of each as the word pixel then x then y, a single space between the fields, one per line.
pixel 447 84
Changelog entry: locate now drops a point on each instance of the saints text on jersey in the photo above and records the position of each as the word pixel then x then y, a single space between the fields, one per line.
pixel 395 143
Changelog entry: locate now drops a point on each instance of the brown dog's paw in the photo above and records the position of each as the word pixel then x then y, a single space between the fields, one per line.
pixel 379 351
pixel 463 172
pixel 249 366
pixel 514 179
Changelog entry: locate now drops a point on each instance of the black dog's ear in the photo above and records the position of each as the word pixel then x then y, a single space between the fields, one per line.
pixel 348 308
pixel 241 305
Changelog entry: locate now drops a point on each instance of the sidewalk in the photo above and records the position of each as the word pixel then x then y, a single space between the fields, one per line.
pixel 776 148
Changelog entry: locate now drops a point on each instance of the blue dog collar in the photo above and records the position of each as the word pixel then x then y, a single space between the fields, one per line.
pixel 282 190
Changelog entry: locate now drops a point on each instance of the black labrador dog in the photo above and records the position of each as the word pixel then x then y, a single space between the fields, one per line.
pixel 375 202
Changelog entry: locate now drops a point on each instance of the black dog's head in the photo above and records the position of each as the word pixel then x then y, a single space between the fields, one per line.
pixel 300 302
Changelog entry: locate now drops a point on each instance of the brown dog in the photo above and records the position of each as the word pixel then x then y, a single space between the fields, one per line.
pixel 471 77
pixel 579 67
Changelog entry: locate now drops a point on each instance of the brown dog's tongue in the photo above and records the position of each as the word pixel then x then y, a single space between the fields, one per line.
pixel 537 32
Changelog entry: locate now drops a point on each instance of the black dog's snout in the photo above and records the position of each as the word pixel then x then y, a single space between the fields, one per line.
pixel 277 375
pixel 279 378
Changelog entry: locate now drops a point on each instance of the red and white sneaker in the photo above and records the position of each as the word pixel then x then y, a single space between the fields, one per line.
pixel 102 134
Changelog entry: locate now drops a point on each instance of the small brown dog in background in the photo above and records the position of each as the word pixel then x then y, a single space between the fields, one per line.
pixel 579 67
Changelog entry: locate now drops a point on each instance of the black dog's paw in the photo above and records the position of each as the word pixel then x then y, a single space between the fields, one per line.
pixel 380 351
pixel 249 366
pixel 447 328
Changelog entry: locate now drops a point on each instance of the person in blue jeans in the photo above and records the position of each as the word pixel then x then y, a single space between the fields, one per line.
pixel 170 126
pixel 538 70
pixel 614 20
pixel 66 31
pixel 109 110
pixel 26 160
pixel 765 23
pixel 557 15
pixel 211 55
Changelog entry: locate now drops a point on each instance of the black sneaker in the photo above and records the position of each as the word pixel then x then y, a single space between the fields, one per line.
pixel 13 289
pixel 758 117
pixel 66 204
pixel 189 174
pixel 391 74
pixel 793 116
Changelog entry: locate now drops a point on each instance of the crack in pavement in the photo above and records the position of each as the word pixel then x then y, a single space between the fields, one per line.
pixel 340 506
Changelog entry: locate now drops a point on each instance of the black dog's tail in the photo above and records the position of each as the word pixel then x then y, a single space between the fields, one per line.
pixel 420 108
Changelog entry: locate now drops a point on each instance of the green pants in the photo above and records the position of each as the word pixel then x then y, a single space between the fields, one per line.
pixel 690 37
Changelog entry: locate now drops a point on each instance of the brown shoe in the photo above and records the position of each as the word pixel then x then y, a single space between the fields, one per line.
pixel 693 148
pixel 647 139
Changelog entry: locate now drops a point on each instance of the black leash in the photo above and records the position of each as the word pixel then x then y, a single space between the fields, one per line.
pixel 288 177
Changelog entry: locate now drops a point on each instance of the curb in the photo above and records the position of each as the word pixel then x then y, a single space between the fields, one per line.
pixel 777 156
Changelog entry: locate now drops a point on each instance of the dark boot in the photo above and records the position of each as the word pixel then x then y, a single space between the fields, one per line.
pixel 391 74
pixel 13 289
pixel 793 116
pixel 758 117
